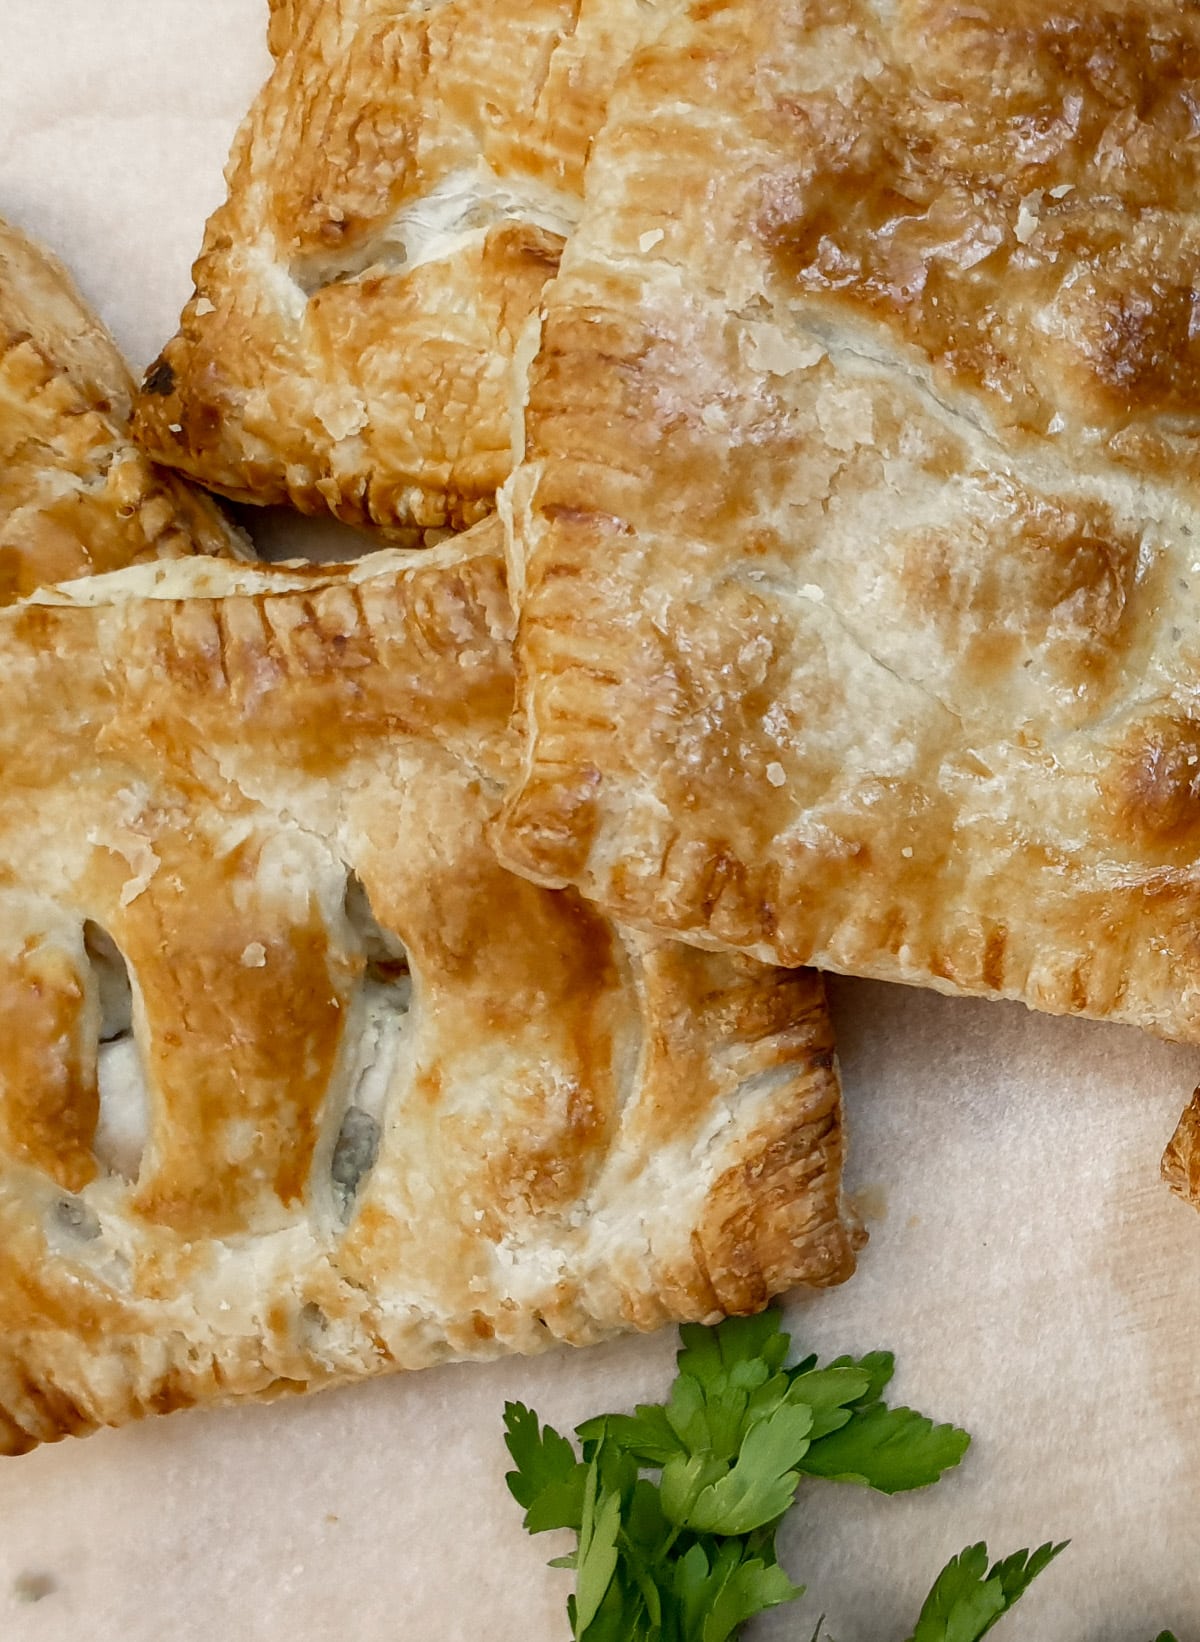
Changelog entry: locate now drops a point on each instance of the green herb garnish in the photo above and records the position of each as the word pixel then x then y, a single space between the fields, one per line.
pixel 675 1506
pixel 968 1597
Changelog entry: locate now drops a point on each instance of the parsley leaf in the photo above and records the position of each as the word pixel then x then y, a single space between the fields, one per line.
pixel 889 1449
pixel 741 1349
pixel 716 1597
pixel 596 1562
pixel 878 1366
pixel 729 1378
pixel 548 1481
pixel 834 1394
pixel 647 1434
pixel 968 1598
pixel 761 1486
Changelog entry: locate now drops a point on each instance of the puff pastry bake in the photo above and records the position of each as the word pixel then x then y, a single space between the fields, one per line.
pixel 296 1083
pixel 398 198
pixel 76 495
pixel 859 539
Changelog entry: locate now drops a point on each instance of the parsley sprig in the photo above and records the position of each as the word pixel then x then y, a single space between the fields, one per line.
pixel 968 1597
pixel 687 1553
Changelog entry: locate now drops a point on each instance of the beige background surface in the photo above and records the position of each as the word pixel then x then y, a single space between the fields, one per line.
pixel 1036 1281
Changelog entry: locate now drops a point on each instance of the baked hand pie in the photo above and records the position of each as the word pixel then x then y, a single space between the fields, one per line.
pixel 398 197
pixel 297 1084
pixel 858 538
pixel 76 495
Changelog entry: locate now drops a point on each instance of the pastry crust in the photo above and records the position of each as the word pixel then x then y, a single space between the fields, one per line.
pixel 398 197
pixel 857 544
pixel 1181 1160
pixel 76 495
pixel 397 1105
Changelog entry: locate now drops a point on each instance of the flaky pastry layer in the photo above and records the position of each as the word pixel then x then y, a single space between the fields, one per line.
pixel 858 540
pixel 398 197
pixel 296 1083
pixel 76 495
pixel 1181 1160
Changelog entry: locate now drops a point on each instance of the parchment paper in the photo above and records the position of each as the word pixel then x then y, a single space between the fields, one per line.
pixel 1037 1282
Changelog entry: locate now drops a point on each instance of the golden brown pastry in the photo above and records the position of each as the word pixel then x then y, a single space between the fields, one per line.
pixel 1181 1160
pixel 296 1083
pixel 76 496
pixel 398 197
pixel 858 544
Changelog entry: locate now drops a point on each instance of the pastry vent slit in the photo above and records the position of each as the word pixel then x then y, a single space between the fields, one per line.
pixel 123 1126
pixel 111 974
pixel 460 207
pixel 383 1007
pixel 387 960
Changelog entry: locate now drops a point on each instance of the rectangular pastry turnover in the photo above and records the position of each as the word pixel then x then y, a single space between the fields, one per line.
pixel 858 538
pixel 297 1084
pixel 76 495
pixel 398 197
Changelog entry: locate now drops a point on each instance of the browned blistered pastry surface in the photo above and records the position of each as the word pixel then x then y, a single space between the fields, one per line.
pixel 858 542
pixel 296 1083
pixel 398 197
pixel 76 495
